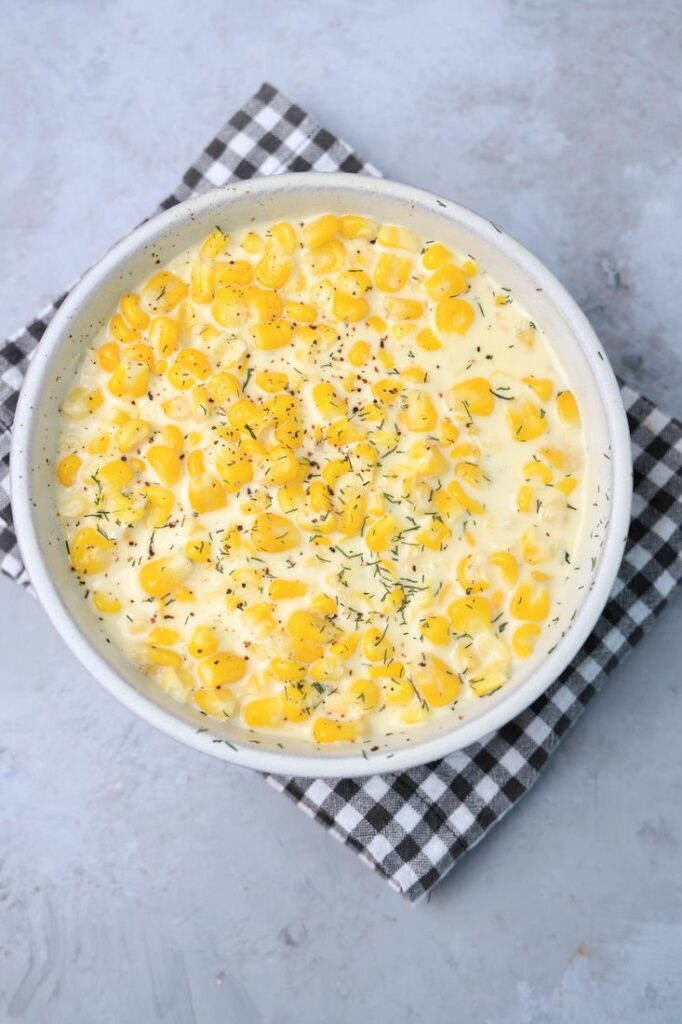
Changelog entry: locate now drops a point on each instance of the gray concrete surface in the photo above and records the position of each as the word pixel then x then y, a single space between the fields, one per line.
pixel 140 882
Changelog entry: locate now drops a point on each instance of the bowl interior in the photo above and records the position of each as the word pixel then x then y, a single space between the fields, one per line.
pixel 290 197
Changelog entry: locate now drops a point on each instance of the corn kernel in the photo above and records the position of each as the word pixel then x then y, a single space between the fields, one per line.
pixel 567 408
pixel 203 643
pixel 67 470
pixel 106 603
pixel 214 244
pixel 327 730
pixel 454 316
pixel 220 669
pixel 391 272
pixel 216 703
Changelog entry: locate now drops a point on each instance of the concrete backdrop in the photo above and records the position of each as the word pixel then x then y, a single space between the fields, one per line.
pixel 140 882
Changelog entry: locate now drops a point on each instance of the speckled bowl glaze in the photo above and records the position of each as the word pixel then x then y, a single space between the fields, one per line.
pixel 291 196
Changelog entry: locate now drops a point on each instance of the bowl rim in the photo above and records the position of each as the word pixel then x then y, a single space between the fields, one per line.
pixel 313 765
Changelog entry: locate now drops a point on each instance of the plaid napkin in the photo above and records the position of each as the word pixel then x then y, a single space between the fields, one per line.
pixel 413 827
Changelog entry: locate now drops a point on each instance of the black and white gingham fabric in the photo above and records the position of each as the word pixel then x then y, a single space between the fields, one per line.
pixel 414 826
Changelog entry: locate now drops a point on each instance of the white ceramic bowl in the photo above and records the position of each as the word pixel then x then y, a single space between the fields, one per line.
pixel 292 196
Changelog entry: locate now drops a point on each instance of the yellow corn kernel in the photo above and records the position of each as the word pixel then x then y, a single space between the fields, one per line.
pixel 319 496
pixel 364 693
pixel 122 331
pixel 159 502
pixel 194 362
pixel 359 353
pixel 536 470
pixel 531 604
pixel 184 594
pixel 273 269
pixel 285 236
pixel 132 434
pixel 164 291
pixel 139 353
pixel 198 550
pixel 414 714
pixel 448 433
pixel 333 470
pixel 354 226
pixel 555 457
pixel 429 341
pixel 99 445
pixel 445 283
pixel 435 256
pixel 567 408
pixel 291 497
pixel 229 307
pixel 427 459
pixel 233 272
pixel 381 534
pixel 542 387
pixel 300 312
pixel 246 416
pixel 327 670
pixel 196 464
pixel 437 684
pixel 283 590
pixel 165 462
pixel 472 474
pixel 434 535
pixel 89 550
pixel 507 565
pixel 133 312
pixel 202 282
pixel 326 259
pixel 129 379
pixel 526 420
pixel 533 550
pixel 345 647
pixel 471 397
pixel 470 576
pixel 327 730
pixel 435 628
pixel 220 669
pixel 452 500
pixel 470 268
pixel 348 308
pixel 376 646
pixel 418 413
pixel 404 309
pixel 163 636
pixel 162 656
pixel 106 603
pixel 311 627
pixel 213 244
pixel 287 670
pixel 253 243
pixel 341 432
pixel 387 390
pixel 264 304
pixel 108 356
pixel 525 498
pixel 67 469
pixel 164 335
pixel 567 485
pixel 394 237
pixel 216 703
pixel 398 691
pixel 454 316
pixel 391 272
pixel 524 639
pixel 328 403
pixel 320 231
pixel 281 466
pixel 206 493
pixel 273 533
pixel 275 334
pixel 469 615
pixel 263 713
pixel 116 474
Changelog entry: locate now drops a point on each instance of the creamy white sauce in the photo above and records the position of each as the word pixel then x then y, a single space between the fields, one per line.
pixel 502 345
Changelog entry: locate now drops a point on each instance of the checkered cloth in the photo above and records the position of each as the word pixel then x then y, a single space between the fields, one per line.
pixel 413 827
